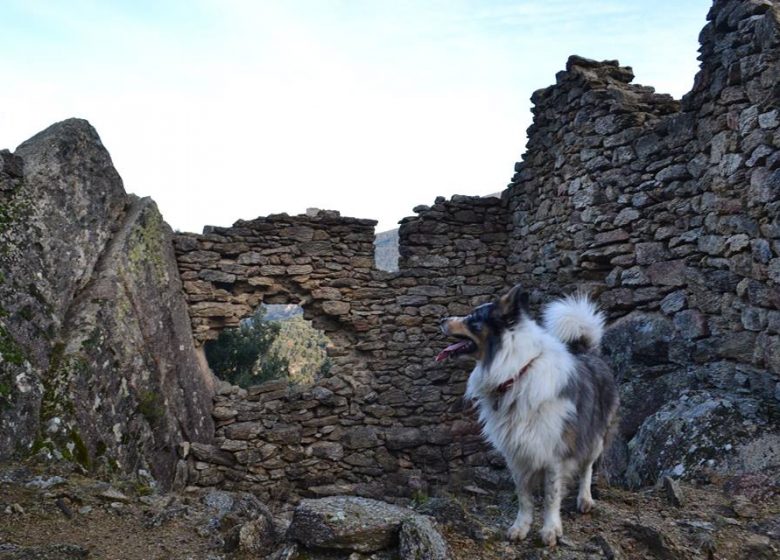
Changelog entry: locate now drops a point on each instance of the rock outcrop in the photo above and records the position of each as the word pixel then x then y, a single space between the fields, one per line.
pixel 99 364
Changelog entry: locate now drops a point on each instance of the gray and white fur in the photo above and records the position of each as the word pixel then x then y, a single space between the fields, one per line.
pixel 545 397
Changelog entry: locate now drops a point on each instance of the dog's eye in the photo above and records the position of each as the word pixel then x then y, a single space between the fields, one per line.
pixel 475 326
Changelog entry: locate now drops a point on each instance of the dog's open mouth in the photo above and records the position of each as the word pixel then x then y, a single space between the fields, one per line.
pixel 463 346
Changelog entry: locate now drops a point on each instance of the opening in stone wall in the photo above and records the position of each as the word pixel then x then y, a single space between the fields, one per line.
pixel 275 342
pixel 386 250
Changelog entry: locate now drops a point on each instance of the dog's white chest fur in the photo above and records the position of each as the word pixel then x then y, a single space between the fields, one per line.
pixel 529 437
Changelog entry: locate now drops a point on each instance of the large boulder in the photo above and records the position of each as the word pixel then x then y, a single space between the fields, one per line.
pixel 99 364
pixel 638 344
pixel 681 418
pixel 702 433
pixel 60 200
pixel 241 521
pixel 347 523
pixel 638 349
pixel 127 349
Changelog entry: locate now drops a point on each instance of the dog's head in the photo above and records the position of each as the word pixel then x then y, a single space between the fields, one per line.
pixel 480 332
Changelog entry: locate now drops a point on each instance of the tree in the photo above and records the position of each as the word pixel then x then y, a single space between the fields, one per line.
pixel 260 349
pixel 235 354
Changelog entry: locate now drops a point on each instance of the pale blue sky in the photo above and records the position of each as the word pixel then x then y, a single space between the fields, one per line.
pixel 228 109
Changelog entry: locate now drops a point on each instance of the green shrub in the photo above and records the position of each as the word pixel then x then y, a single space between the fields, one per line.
pixel 260 350
pixel 233 355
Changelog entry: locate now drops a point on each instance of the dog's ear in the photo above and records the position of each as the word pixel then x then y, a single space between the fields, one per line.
pixel 512 303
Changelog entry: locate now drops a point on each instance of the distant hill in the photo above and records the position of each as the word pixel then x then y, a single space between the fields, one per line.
pixel 281 312
pixel 386 250
pixel 302 348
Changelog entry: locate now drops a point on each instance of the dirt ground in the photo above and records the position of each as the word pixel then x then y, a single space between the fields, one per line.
pixel 642 525
pixel 76 514
pixel 78 517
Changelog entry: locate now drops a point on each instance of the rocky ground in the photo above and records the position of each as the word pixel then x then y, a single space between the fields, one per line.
pixel 64 515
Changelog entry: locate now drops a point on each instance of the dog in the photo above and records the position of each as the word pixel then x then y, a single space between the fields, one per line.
pixel 546 399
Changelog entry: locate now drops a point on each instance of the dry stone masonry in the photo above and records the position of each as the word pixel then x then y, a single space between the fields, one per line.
pixel 382 423
pixel 321 261
pixel 667 211
pixel 670 213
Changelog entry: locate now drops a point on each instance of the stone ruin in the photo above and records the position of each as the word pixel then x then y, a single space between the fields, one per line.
pixel 667 211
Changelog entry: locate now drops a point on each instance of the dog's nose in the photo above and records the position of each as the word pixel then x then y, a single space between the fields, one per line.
pixel 442 320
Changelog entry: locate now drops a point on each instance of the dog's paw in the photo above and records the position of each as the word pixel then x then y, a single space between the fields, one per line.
pixel 518 531
pixel 550 534
pixel 584 504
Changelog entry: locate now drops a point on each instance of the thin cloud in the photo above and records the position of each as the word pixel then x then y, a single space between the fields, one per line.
pixel 233 109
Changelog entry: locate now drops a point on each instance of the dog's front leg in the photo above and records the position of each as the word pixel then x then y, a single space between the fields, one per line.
pixel 525 506
pixel 553 490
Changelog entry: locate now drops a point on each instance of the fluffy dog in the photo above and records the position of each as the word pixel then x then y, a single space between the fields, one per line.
pixel 546 399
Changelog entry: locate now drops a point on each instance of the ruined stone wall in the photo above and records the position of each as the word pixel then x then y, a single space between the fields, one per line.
pixel 665 211
pixel 383 423
pixel 669 213
pixel 323 262
pixel 452 258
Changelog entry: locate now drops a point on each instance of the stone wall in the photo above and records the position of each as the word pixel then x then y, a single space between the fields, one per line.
pixel 452 256
pixel 383 423
pixel 669 212
pixel 323 262
pixel 666 211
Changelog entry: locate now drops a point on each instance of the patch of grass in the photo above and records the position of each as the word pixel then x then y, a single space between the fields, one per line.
pixel 39 444
pixel 10 350
pixel 151 407
pixel 80 450
pixel 142 488
pixel 420 498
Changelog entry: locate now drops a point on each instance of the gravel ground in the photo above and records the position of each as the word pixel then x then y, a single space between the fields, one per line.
pixel 74 516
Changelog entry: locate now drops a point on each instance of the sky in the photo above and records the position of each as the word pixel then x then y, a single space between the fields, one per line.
pixel 231 109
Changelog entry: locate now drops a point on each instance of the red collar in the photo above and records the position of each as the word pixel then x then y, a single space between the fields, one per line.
pixel 504 387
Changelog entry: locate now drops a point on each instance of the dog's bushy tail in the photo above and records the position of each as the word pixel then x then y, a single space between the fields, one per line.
pixel 576 321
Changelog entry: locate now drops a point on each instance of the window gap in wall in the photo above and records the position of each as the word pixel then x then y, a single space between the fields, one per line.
pixel 275 342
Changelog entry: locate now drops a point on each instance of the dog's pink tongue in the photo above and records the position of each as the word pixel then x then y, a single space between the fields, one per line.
pixel 444 354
